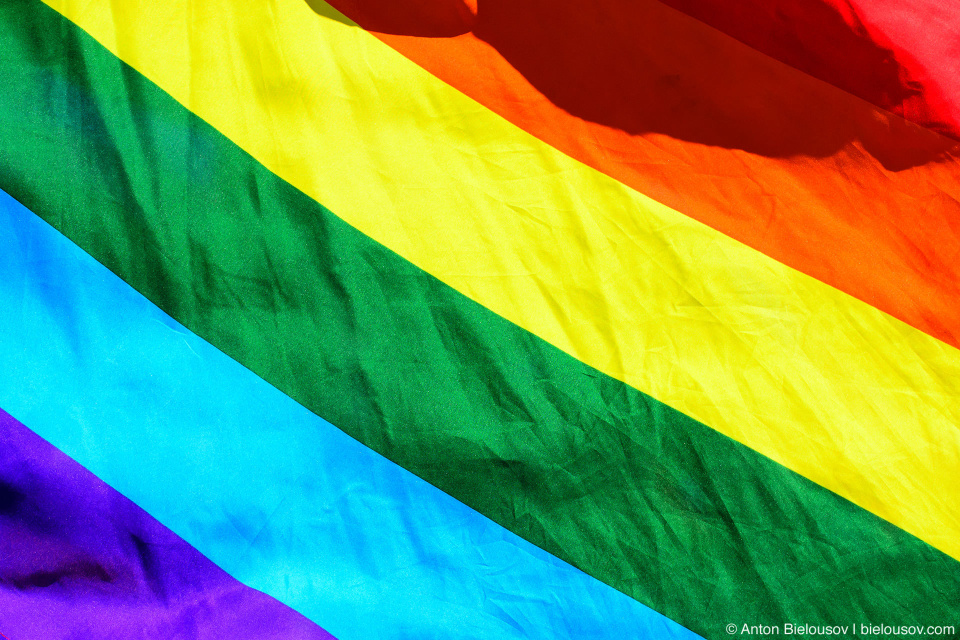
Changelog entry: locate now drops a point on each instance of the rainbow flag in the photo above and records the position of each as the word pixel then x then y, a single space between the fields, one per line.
pixel 490 319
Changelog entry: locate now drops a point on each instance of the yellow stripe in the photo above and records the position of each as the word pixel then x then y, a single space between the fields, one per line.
pixel 819 381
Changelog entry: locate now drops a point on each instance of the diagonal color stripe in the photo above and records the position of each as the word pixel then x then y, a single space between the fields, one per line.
pixel 804 173
pixel 279 498
pixel 662 507
pixel 830 387
pixel 78 560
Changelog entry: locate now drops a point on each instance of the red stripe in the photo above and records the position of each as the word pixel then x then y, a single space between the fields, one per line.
pixel 901 56
pixel 809 175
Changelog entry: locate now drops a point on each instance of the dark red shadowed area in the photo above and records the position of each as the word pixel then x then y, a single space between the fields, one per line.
pixel 838 42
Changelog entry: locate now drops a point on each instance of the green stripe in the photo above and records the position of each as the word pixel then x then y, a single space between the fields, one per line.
pixel 642 497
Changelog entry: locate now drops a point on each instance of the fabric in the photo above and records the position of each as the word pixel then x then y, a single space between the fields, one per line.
pixel 276 496
pixel 650 308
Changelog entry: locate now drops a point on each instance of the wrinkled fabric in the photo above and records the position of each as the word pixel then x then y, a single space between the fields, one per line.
pixel 77 559
pixel 277 497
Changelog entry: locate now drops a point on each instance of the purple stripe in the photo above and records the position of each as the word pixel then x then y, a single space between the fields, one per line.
pixel 79 560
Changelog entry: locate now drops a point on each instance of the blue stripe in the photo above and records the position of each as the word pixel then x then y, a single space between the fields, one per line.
pixel 279 498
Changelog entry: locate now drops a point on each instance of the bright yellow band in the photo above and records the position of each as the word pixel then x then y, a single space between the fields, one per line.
pixel 828 386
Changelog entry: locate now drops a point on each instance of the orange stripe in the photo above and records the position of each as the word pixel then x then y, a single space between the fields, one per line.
pixel 810 175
